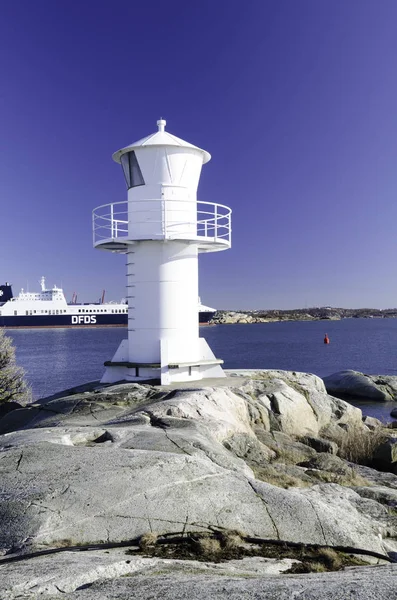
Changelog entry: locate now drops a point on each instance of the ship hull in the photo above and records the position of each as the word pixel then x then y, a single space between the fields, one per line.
pixel 62 321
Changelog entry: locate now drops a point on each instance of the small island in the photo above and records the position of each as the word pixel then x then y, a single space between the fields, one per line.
pixel 301 314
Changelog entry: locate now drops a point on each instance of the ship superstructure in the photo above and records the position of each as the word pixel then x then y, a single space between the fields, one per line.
pixel 49 308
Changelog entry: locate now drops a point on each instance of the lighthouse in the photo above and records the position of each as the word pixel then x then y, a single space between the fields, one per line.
pixel 161 229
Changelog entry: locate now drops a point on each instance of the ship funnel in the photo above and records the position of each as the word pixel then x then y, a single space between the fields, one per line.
pixel 5 292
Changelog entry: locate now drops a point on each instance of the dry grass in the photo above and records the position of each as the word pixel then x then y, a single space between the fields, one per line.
pixel 271 475
pixel 350 478
pixel 358 444
pixel 209 547
pixel 330 558
pixel 231 540
pixel 148 540
pixel 228 545
pixel 277 477
pixel 317 567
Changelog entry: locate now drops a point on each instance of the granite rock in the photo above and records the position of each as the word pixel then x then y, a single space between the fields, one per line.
pixel 380 388
pixel 116 576
pixel 116 462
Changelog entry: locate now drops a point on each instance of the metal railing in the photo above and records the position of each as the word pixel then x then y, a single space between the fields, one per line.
pixel 162 219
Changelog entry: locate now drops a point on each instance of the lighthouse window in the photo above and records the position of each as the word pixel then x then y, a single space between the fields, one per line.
pixel 132 172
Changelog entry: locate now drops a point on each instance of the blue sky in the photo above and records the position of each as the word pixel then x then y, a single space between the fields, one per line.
pixel 295 100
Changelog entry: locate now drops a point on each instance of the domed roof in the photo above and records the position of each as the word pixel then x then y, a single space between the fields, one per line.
pixel 160 138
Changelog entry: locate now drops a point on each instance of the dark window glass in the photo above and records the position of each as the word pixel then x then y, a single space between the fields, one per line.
pixel 135 171
pixel 125 163
pixel 132 172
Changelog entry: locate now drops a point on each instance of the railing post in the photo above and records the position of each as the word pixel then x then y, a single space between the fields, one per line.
pixel 216 221
pixel 111 222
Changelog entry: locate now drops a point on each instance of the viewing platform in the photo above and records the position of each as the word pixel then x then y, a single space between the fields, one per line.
pixel 206 224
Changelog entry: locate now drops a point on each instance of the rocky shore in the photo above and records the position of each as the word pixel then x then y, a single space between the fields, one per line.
pixel 301 314
pixel 261 485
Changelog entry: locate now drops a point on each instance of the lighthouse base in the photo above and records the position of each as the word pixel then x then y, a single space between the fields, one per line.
pixel 166 371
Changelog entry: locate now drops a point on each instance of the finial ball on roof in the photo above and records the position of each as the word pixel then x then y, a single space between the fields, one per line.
pixel 161 123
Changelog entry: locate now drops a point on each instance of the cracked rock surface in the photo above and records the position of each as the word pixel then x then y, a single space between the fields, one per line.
pixel 357 584
pixel 114 463
pixel 115 575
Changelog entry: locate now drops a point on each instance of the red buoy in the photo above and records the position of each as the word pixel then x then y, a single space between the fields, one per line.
pixel 326 339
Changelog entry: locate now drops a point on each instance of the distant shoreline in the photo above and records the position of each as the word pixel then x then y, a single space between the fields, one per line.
pixel 229 317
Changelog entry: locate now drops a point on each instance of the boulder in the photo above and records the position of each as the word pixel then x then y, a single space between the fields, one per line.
pixel 372 422
pixel 285 448
pixel 320 444
pixel 385 456
pixel 114 463
pixel 377 478
pixel 326 410
pixel 381 494
pixel 249 448
pixel 65 495
pixel 380 388
pixel 327 462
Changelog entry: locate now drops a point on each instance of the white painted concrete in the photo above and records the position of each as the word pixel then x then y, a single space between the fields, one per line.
pixel 162 239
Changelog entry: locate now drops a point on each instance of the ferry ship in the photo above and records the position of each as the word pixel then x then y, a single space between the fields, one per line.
pixel 49 308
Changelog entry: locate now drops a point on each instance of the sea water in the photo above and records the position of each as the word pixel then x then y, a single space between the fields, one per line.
pixel 57 359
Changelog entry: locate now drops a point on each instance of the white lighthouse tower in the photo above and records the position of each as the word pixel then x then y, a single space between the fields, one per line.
pixel 162 228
